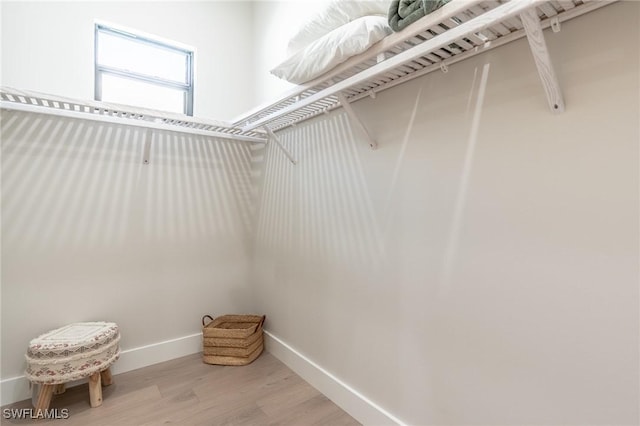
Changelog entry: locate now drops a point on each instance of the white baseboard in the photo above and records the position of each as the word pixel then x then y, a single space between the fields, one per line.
pixel 14 389
pixel 17 388
pixel 143 356
pixel 353 402
pixel 350 400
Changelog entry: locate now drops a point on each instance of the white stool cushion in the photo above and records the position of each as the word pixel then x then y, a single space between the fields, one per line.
pixel 72 352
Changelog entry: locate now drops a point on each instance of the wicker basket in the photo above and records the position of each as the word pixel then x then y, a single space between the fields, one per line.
pixel 232 339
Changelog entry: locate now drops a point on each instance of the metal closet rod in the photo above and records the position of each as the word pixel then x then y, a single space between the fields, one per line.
pixel 60 112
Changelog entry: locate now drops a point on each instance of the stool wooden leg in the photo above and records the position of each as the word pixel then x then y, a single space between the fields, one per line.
pixel 44 397
pixel 95 390
pixel 59 389
pixel 105 375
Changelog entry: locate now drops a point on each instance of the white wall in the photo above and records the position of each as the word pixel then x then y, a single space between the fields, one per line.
pixel 480 267
pixel 460 274
pixel 47 46
pixel 90 233
pixel 274 23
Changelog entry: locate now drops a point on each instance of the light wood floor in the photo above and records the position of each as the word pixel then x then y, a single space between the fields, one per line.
pixel 185 391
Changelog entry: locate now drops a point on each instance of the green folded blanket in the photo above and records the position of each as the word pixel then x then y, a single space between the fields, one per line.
pixel 405 12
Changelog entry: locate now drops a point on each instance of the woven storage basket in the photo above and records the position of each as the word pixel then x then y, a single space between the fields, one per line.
pixel 232 339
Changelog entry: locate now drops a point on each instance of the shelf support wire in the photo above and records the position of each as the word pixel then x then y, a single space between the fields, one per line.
pixel 535 36
pixel 272 136
pixel 355 120
pixel 148 137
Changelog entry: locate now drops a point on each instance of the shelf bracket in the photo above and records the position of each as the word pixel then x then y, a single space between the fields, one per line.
pixel 146 152
pixel 355 120
pixel 382 56
pixel 272 136
pixel 538 45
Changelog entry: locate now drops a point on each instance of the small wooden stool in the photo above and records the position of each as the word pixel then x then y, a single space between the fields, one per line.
pixel 76 351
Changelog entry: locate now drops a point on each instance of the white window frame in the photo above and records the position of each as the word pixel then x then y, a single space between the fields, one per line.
pixel 100 70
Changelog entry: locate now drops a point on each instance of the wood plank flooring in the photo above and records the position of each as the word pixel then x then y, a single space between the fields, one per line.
pixel 185 391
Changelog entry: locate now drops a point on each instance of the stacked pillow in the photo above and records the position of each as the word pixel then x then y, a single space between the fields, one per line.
pixel 334 14
pixel 342 29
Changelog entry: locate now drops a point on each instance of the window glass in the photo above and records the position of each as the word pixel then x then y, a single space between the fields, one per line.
pixel 137 70
pixel 142 58
pixel 131 92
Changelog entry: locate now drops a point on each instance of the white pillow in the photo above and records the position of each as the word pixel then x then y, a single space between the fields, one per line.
pixel 334 14
pixel 333 48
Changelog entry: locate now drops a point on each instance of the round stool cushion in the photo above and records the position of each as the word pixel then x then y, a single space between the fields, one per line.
pixel 72 352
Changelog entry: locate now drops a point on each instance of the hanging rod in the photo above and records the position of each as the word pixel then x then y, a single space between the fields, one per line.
pixel 363 76
pixel 11 99
pixel 479 23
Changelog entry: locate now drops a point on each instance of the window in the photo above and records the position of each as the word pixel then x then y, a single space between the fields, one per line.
pixel 137 70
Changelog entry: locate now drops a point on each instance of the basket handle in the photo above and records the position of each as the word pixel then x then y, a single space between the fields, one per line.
pixel 206 316
pixel 262 321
